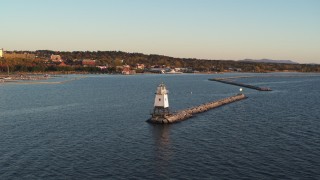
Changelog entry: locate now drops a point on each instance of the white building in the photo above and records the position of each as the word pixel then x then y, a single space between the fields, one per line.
pixel 1 53
pixel 56 58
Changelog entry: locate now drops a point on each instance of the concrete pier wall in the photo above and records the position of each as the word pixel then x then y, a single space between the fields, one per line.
pixel 187 113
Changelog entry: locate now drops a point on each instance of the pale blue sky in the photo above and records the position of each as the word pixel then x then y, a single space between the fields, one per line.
pixel 210 29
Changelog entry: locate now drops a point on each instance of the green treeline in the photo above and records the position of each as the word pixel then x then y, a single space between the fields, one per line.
pixel 112 59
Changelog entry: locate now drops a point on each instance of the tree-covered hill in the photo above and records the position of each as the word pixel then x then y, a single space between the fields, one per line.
pixel 113 58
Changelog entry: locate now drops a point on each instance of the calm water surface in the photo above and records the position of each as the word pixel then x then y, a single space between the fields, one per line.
pixel 94 128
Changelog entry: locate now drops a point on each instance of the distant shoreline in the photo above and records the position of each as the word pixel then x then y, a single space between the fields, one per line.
pixel 55 73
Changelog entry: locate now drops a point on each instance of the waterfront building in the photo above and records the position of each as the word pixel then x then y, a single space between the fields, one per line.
pixel 1 52
pixel 126 70
pixel 139 66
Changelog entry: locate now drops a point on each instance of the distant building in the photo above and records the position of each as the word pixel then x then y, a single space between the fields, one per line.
pixel 127 71
pixel 139 66
pixel 1 53
pixel 56 58
pixel 88 62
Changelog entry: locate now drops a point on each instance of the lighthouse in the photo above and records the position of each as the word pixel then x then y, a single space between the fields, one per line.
pixel 161 102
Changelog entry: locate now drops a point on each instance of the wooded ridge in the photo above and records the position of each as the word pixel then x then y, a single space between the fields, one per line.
pixel 39 61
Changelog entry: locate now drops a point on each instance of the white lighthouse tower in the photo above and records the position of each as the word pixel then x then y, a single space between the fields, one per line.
pixel 161 102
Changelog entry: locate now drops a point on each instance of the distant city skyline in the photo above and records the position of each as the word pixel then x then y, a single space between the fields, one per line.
pixel 203 29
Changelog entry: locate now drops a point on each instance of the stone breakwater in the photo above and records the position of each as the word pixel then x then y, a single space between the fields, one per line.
pixel 187 113
pixel 241 84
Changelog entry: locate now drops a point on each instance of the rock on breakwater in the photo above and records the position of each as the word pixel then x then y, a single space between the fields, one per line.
pixel 187 113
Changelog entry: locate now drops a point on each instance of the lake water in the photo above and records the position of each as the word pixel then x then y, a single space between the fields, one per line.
pixel 94 128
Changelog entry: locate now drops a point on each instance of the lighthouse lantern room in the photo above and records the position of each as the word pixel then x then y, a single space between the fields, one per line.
pixel 161 102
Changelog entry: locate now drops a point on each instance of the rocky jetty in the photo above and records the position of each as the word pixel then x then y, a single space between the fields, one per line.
pixel 241 84
pixel 187 113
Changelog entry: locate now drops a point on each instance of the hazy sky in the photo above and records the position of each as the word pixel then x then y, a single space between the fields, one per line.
pixel 210 29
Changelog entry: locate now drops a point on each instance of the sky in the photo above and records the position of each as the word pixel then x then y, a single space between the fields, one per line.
pixel 204 29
